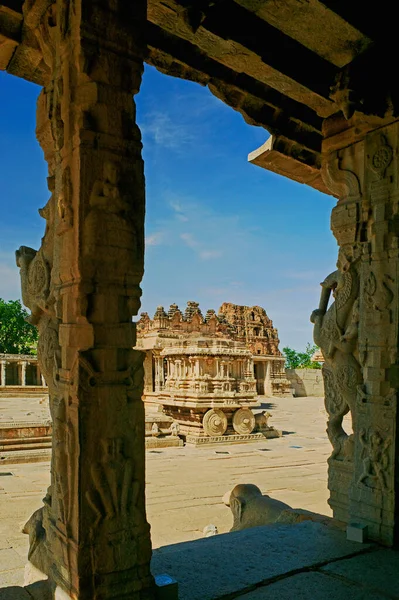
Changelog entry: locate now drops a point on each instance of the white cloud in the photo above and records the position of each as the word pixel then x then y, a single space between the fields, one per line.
pixel 189 240
pixel 194 244
pixel 179 210
pixel 155 239
pixel 164 131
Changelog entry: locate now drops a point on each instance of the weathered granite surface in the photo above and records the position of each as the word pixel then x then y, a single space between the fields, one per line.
pixel 379 570
pixel 308 586
pixel 234 562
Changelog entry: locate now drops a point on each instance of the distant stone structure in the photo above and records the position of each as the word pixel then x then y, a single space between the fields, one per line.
pixel 306 382
pixel 207 372
pixel 248 325
pixel 20 374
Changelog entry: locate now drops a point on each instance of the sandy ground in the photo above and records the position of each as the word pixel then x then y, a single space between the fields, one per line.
pixel 185 485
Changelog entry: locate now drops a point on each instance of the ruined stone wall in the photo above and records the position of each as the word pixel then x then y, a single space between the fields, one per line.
pixel 306 382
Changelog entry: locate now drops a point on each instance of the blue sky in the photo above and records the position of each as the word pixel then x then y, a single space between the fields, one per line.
pixel 218 229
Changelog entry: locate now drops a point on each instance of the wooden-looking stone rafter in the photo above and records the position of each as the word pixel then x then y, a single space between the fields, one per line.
pixel 239 43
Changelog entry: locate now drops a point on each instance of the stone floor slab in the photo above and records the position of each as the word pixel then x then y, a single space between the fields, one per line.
pixel 11 577
pixel 311 586
pixel 227 564
pixel 378 570
pixel 9 559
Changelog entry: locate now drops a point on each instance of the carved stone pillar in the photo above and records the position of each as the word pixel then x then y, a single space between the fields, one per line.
pixel 3 372
pixel 148 372
pixel 359 332
pixel 23 373
pixel 159 378
pixel 82 286
pixel 268 377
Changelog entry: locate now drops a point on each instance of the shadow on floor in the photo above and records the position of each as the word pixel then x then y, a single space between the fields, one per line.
pixel 267 405
pixel 14 593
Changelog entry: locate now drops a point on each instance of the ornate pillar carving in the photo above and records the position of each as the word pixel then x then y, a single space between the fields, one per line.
pixel 91 536
pixel 358 332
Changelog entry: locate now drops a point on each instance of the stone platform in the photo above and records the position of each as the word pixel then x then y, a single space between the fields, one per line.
pixel 25 441
pixel 198 441
pixel 306 561
pixel 23 391
pixel 158 430
pixel 25 456
pixel 163 442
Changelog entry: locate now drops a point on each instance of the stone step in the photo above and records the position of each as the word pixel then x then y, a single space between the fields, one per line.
pixel 23 391
pixel 8 444
pixel 25 456
pixel 24 429
pixel 31 444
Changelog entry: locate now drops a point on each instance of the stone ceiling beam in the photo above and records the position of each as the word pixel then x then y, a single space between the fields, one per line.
pixel 10 34
pixel 284 157
pixel 236 38
pixel 368 18
pixel 26 60
pixel 326 33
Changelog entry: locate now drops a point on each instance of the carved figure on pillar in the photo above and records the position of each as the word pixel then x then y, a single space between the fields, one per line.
pixel 375 458
pixel 35 267
pixel 336 332
pixel 110 238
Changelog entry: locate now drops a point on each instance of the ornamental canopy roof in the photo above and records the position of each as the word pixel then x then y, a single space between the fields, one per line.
pixel 290 66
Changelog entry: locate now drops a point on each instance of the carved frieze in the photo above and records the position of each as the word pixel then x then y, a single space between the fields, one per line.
pixel 375 458
pixel 381 158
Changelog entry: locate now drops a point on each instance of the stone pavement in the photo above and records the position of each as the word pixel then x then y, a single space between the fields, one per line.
pixel 185 485
pixel 306 561
pixel 24 409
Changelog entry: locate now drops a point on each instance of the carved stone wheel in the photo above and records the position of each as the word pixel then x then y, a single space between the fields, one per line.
pixel 214 422
pixel 243 421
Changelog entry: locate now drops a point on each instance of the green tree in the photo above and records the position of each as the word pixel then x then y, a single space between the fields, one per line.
pixel 301 360
pixel 16 335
